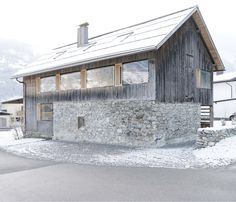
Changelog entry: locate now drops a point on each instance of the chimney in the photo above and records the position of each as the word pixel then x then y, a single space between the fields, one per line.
pixel 82 35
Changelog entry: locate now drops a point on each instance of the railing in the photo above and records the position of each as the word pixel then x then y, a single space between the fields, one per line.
pixel 206 116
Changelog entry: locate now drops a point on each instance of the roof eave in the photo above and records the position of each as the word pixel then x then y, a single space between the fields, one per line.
pixel 226 80
pixel 218 64
pixel 91 60
pixel 197 16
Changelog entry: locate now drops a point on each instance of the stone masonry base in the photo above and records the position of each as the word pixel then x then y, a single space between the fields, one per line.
pixel 131 123
pixel 210 136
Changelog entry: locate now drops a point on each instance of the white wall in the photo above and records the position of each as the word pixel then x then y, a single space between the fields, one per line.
pixel 224 109
pixel 12 108
pixel 5 119
pixel 222 91
pixel 16 111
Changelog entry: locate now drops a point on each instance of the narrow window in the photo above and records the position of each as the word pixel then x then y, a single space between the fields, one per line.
pixel 80 122
pixel 135 72
pixel 70 81
pixel 48 84
pixel 203 79
pixel 46 112
pixel 100 77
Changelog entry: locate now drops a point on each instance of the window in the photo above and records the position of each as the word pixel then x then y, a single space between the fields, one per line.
pixel 100 77
pixel 48 84
pixel 80 122
pixel 203 79
pixel 46 112
pixel 135 72
pixel 70 81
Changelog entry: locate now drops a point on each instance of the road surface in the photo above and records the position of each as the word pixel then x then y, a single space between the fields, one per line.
pixel 27 179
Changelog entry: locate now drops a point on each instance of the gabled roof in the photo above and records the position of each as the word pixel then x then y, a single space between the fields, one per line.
pixel 16 100
pixel 145 36
pixel 4 113
pixel 225 77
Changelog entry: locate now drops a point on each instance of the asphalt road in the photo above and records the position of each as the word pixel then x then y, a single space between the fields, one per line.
pixel 31 180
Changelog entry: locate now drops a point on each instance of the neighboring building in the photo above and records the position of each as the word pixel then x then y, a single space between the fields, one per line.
pixel 5 119
pixel 224 95
pixel 14 109
pixel 140 85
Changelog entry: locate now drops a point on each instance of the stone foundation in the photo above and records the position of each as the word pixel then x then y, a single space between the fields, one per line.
pixel 210 136
pixel 131 123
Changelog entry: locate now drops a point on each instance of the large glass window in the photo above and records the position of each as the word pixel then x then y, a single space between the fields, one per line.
pixel 100 77
pixel 204 79
pixel 46 112
pixel 135 72
pixel 70 81
pixel 48 84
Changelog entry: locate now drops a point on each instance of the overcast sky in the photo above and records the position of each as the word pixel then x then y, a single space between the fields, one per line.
pixel 46 24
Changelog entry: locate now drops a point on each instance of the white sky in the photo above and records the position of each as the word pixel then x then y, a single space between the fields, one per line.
pixel 46 24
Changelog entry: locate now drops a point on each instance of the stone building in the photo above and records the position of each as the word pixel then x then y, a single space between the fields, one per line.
pixel 141 85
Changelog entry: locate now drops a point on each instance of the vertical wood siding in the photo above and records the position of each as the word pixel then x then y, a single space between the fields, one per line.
pixel 177 61
pixel 145 91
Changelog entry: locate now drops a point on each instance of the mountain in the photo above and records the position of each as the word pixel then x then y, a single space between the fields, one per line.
pixel 14 55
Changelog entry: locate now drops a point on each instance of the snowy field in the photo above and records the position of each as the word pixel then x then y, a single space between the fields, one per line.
pixel 222 154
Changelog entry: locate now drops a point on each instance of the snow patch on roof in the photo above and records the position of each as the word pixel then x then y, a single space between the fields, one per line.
pixel 225 77
pixel 145 36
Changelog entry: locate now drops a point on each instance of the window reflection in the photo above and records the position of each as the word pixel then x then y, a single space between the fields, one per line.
pixel 205 79
pixel 100 77
pixel 48 84
pixel 70 81
pixel 135 72
pixel 46 112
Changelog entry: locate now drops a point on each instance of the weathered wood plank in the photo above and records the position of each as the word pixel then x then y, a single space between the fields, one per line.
pixel 177 61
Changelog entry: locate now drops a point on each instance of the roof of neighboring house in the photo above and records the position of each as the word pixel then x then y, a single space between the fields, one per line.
pixel 145 36
pixel 4 113
pixel 16 100
pixel 225 77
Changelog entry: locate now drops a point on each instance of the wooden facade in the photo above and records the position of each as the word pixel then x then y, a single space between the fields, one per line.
pixel 172 78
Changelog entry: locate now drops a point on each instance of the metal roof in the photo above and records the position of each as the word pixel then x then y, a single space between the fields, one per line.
pixel 4 113
pixel 225 77
pixel 145 36
pixel 15 100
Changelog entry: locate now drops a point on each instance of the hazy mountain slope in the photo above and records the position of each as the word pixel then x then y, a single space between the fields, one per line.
pixel 13 56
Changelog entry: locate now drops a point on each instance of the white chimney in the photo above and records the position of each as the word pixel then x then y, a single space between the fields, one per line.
pixel 82 34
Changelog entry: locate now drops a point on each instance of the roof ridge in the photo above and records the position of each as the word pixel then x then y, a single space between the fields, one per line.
pixel 144 22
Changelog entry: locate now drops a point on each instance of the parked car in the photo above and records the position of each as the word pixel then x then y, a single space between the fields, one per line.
pixel 233 116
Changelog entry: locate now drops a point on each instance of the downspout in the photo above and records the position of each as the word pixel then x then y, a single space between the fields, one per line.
pixel 231 87
pixel 24 104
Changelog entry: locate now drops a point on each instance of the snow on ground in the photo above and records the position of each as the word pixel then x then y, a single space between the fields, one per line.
pixel 222 154
pixel 218 125
pixel 7 135
pixel 13 137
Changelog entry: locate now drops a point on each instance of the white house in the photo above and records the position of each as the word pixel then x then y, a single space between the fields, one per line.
pixel 224 95
pixel 5 119
pixel 12 113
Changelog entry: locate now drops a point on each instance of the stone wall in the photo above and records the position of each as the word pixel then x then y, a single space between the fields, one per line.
pixel 210 136
pixel 133 123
